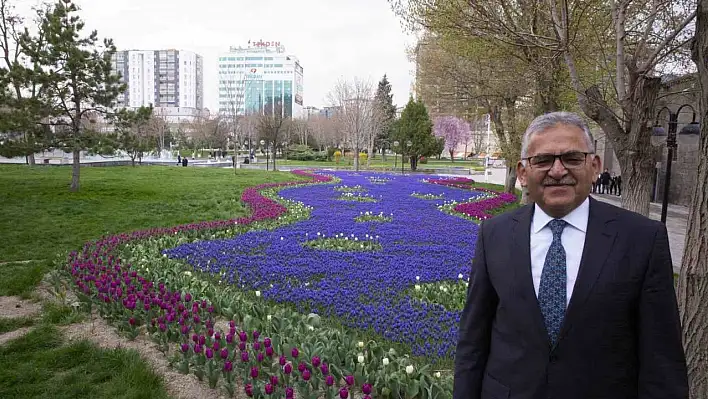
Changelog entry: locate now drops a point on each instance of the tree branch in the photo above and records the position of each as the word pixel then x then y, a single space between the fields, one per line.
pixel 651 61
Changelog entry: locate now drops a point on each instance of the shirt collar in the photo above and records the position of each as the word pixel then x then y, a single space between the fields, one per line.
pixel 577 218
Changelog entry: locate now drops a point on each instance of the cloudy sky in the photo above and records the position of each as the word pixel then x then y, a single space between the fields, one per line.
pixel 332 38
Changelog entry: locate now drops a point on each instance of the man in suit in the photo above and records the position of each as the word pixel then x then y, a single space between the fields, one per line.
pixel 569 298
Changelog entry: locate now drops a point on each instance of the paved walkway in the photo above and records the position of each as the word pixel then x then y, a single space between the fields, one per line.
pixel 676 221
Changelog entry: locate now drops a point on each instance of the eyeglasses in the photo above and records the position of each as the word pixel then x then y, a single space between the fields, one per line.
pixel 570 160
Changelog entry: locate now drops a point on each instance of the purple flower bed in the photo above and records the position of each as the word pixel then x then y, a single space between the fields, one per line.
pixel 363 289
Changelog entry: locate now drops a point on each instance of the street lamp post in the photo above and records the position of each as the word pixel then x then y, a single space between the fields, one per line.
pixel 671 145
pixel 267 161
pixel 395 156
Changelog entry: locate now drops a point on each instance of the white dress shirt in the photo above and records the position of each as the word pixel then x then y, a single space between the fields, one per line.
pixel 573 240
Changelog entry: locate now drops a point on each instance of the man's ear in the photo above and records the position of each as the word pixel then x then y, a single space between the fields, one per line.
pixel 521 173
pixel 597 164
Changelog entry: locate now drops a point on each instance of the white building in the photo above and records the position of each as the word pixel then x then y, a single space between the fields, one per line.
pixel 259 77
pixel 169 80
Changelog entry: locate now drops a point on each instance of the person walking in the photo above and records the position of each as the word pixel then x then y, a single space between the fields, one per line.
pixel 569 297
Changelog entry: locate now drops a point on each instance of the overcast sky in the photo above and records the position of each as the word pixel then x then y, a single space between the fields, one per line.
pixel 332 38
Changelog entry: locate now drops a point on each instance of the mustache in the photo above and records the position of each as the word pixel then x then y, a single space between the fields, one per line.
pixel 563 182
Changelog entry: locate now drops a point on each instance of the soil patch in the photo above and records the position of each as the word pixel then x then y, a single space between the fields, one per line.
pixel 12 306
pixel 9 336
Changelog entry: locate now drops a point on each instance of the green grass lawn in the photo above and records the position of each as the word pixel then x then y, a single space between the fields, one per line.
pixel 40 218
pixel 41 365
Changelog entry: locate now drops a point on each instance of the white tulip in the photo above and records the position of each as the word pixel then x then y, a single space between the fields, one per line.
pixel 459 276
pixel 417 278
pixel 437 374
pixel 361 344
pixel 310 328
pixel 269 317
pixel 385 361
pixel 409 369
pixel 360 358
pixel 258 293
pixel 417 287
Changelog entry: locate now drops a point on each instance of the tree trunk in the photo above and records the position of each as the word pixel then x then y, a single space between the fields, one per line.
pixel 369 154
pixel 356 159
pixel 510 182
pixel 274 151
pixel 547 87
pixel 525 199
pixel 636 154
pixel 452 158
pixel 30 160
pixel 637 178
pixel 75 170
pixel 693 284
pixel 414 162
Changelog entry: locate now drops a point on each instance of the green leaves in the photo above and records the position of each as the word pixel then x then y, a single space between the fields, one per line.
pixel 344 244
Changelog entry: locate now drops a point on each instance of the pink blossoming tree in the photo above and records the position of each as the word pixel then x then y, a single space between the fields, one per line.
pixel 454 130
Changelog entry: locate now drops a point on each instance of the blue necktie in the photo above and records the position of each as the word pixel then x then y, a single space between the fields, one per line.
pixel 552 292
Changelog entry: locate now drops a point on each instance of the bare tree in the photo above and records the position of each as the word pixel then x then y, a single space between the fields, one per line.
pixel 234 112
pixel 157 125
pixel 324 131
pixel 355 114
pixel 272 125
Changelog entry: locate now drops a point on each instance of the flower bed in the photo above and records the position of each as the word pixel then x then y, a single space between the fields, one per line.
pixel 364 290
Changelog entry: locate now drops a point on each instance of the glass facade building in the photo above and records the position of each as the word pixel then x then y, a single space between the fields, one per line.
pixel 260 79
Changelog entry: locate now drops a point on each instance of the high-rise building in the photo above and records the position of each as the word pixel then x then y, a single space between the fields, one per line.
pixel 169 80
pixel 261 77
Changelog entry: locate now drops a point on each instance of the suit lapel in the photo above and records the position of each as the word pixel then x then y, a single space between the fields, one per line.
pixel 521 238
pixel 599 239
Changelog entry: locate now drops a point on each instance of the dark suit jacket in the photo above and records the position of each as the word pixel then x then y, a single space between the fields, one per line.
pixel 621 336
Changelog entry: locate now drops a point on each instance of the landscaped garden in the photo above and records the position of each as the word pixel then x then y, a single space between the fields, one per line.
pixel 344 284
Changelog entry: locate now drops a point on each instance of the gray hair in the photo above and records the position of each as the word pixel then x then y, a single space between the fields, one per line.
pixel 550 120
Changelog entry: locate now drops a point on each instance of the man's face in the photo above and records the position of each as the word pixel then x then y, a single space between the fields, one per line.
pixel 558 184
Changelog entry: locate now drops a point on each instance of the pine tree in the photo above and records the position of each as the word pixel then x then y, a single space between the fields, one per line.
pixel 384 102
pixel 415 127
pixel 81 85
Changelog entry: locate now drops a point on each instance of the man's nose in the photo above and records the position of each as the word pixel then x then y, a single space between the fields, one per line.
pixel 558 170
